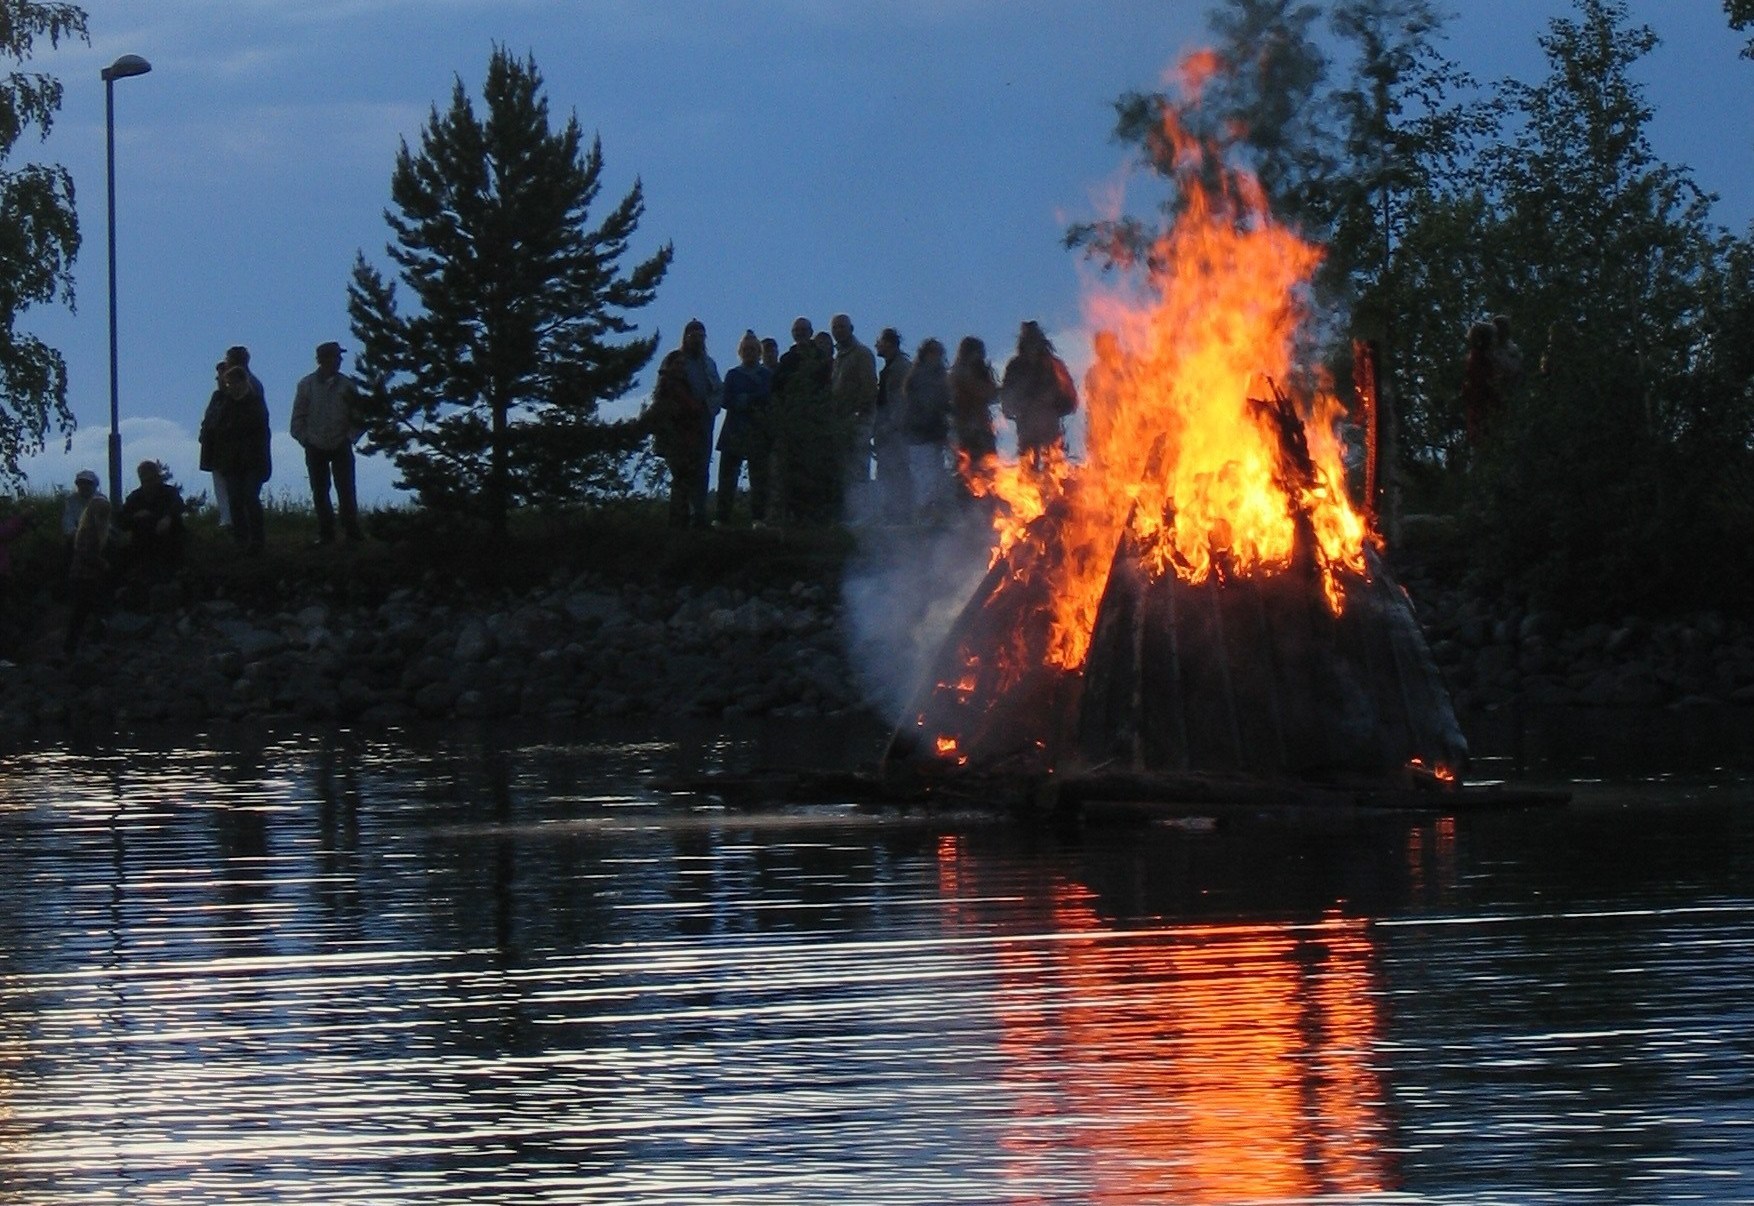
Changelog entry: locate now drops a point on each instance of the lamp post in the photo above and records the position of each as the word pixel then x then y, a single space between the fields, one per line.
pixel 121 69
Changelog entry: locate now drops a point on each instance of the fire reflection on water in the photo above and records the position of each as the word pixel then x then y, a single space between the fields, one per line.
pixel 1218 1062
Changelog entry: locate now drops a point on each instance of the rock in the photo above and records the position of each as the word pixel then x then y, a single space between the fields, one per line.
pixel 250 641
pixel 474 643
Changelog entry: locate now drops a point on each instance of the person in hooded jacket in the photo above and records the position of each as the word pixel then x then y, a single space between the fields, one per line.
pixel 1037 395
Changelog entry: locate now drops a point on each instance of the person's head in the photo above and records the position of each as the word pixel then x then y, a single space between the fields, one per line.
pixel 694 337
pixel 150 474
pixel 329 357
pixel 1501 324
pixel 824 343
pixel 1481 336
pixel 931 352
pixel 85 483
pixel 889 343
pixel 770 352
pixel 971 350
pixel 236 381
pixel 802 330
pixel 841 327
pixel 674 362
pixel 239 355
pixel 1033 341
pixel 749 349
pixel 219 372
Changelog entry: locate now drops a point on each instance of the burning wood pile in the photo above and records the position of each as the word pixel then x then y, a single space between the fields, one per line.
pixel 1199 595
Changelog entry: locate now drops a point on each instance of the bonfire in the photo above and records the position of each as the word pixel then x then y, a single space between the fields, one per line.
pixel 1198 593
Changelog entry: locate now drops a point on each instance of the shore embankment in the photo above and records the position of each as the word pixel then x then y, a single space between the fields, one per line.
pixel 712 624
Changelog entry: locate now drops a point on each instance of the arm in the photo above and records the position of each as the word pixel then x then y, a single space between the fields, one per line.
pixel 301 405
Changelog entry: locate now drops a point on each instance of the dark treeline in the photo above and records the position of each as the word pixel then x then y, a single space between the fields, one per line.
pixel 1617 475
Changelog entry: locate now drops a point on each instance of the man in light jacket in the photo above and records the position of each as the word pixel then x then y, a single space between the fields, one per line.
pixel 325 422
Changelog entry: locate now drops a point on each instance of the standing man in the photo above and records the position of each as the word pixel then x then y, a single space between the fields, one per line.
pixel 704 380
pixel 854 391
pixel 325 422
pixel 894 481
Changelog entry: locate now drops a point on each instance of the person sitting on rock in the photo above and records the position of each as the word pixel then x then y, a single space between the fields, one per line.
pixel 152 515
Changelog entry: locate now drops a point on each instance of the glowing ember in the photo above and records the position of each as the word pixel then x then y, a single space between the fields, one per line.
pixel 1188 426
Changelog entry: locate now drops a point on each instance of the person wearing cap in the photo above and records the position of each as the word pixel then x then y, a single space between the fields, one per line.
pixel 325 422
pixel 84 490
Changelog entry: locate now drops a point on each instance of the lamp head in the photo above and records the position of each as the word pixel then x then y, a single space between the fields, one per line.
pixel 127 65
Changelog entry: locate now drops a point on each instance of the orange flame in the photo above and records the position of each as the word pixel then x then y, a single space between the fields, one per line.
pixel 1185 448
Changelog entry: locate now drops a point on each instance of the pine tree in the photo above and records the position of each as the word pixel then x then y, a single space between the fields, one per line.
pixel 486 393
pixel 39 235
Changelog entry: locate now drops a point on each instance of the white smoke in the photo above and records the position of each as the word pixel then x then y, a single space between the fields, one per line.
pixel 903 591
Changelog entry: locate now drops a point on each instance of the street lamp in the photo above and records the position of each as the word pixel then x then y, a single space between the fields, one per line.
pixel 121 69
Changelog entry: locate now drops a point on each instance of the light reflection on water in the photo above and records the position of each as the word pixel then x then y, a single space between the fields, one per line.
pixel 344 972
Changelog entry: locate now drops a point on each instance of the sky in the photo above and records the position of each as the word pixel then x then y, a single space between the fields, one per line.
pixel 912 163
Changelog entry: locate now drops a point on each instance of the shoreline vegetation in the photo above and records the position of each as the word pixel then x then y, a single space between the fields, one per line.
pixel 608 613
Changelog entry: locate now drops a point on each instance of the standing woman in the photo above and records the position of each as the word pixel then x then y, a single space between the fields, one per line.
pixel 242 456
pixel 973 389
pixel 745 435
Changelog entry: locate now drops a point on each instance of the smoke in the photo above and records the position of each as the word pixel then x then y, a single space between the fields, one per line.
pixel 903 590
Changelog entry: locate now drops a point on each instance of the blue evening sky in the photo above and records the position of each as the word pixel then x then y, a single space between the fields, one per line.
pixel 911 162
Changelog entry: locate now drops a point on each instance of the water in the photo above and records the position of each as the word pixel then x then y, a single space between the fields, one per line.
pixel 337 971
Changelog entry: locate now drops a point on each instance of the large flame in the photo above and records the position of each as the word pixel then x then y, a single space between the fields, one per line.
pixel 1193 392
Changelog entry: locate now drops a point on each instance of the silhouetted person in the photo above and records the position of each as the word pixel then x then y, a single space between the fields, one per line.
pixel 1036 395
pixel 84 490
pixel 895 492
pixel 708 387
pixel 808 464
pixel 204 441
pixel 973 390
pixel 746 436
pixel 325 422
pixel 152 515
pixel 675 420
pixel 241 453
pixel 926 428
pixel 1480 397
pixel 854 391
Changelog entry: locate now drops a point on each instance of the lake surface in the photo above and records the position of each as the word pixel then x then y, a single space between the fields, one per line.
pixel 473 970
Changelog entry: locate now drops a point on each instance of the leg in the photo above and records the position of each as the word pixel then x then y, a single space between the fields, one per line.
pixel 760 473
pixel 222 499
pixel 345 497
pixel 681 492
pixel 246 507
pixel 317 465
pixel 730 469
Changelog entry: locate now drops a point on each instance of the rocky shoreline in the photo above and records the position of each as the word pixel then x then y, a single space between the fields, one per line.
pixel 1496 654
pixel 581 647
pixel 585 647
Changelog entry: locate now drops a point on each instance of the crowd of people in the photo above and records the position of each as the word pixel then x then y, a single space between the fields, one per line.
pixel 827 431
pixel 827 435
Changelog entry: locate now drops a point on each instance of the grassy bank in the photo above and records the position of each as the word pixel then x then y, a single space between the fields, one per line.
pixel 406 547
